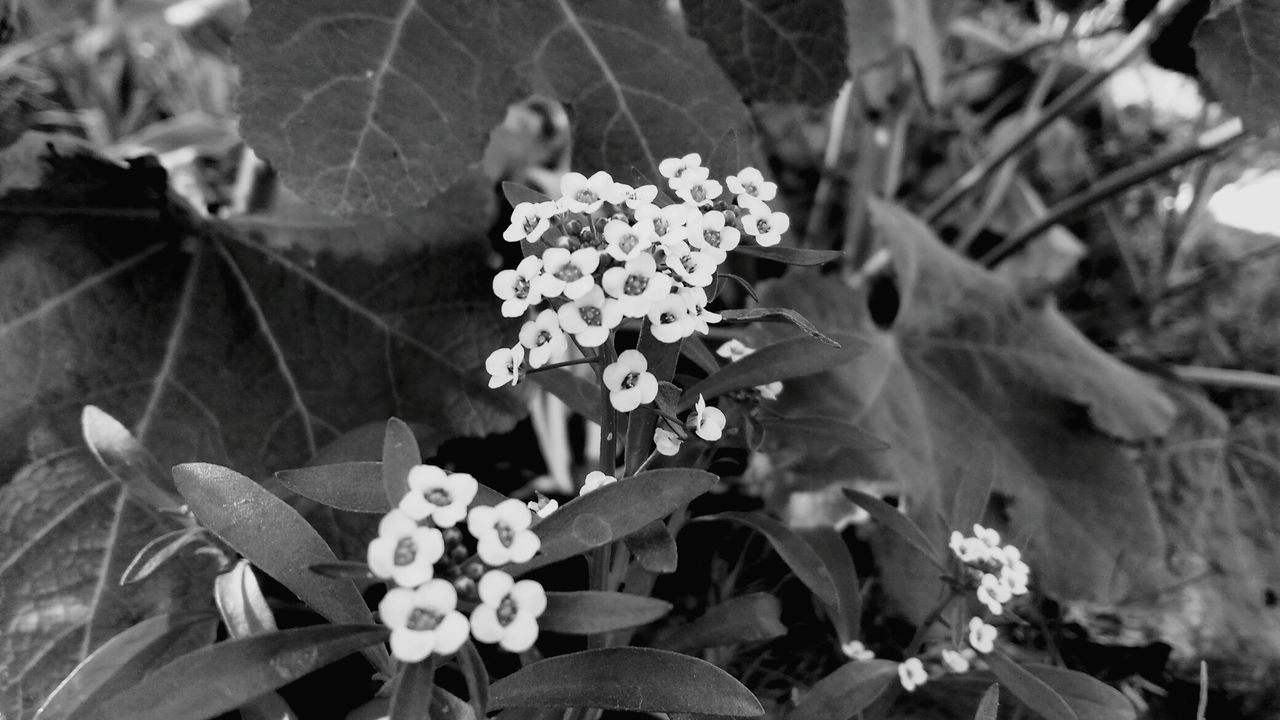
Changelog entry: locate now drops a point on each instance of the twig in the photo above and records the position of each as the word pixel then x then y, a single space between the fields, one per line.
pixel 1213 141
pixel 830 158
pixel 1222 377
pixel 1120 56
pixel 1203 705
pixel 1216 271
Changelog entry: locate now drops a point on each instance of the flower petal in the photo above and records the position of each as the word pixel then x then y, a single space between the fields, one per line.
pixel 485 626
pixel 412 645
pixel 520 634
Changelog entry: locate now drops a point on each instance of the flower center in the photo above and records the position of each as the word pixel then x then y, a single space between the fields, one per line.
pixel 590 315
pixel 661 226
pixel 630 380
pixel 569 273
pixel 423 619
pixel 585 196
pixel 667 318
pixel 628 242
pixel 522 288
pixel 506 535
pixel 750 189
pixel 762 226
pixel 406 551
pixel 712 237
pixel 635 285
pixel 688 263
pixel 543 338
pixel 507 611
pixel 698 193
pixel 530 222
pixel 439 496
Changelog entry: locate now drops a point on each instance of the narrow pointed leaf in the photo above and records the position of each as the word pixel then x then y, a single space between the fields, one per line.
pixel 232 672
pixel 772 314
pixel 635 679
pixel 615 511
pixel 744 619
pixel 399 455
pixel 351 486
pixel 240 601
pixel 117 450
pixel 785 359
pixel 790 255
pixel 590 612
pixel 696 350
pixel 989 705
pixel 1031 690
pixel 831 549
pixel 1091 698
pixel 156 553
pixel 974 490
pixel 742 282
pixel 847 691
pixel 896 522
pixel 415 690
pixel 793 550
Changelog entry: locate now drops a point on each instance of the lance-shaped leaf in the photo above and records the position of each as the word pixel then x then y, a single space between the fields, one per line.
pixel 989 705
pixel 833 432
pixel 782 360
pixel 589 612
pixel 615 511
pixel 793 550
pixel 400 454
pixel 1089 697
pixel 124 457
pixel 233 672
pixel 896 522
pixel 768 314
pixel 846 613
pixel 635 679
pixel 1031 690
pixel 352 486
pixel 744 619
pixel 790 255
pixel 847 691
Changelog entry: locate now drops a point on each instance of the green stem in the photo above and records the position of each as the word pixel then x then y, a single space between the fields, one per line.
pixel 601 557
pixel 930 619
pixel 594 359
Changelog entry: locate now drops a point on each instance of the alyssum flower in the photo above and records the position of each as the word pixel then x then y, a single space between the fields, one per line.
pixel 423 620
pixel 404 552
pixel 502 533
pixel 441 496
pixel 543 338
pixel 508 611
pixel 629 382
pixel 516 287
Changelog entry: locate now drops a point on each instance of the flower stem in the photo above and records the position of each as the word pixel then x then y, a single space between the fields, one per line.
pixel 652 456
pixel 601 557
pixel 594 359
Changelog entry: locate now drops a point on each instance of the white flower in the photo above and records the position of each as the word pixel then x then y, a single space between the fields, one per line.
pixel 987 535
pixel 517 288
pixel 734 350
pixel 955 662
pixel 695 299
pixel 1015 576
pixel 667 442
pixel 590 318
pixel 751 183
pixel 709 233
pixel 969 549
pixel 669 319
pixel 855 650
pixel 423 620
pixel 568 273
pixel 763 224
pixel 629 382
pixel 680 171
pixel 668 223
pixel 624 241
pixel 981 635
pixel 436 494
pixel 708 421
pixel 695 267
pixel 638 197
pixel 585 195
pixel 770 391
pixel 543 506
pixel 912 675
pixel 502 533
pixel 698 192
pixel 508 611
pixel 543 338
pixel 504 365
pixel 637 285
pixel 529 221
pixel 596 480
pixel 404 552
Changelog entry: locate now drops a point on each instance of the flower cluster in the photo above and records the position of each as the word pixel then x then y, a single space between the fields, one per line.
pixel 428 559
pixel 999 572
pixel 610 251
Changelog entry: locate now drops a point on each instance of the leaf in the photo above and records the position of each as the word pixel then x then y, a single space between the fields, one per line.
pixel 356 571
pixel 784 360
pixel 1237 51
pixel 1031 690
pixel 774 50
pixel 124 659
pixel 614 512
pixel 239 597
pixel 388 123
pixel 766 314
pixel 271 535
pixel 696 350
pixel 580 394
pixel 636 679
pixel 832 432
pixel 846 612
pixel 415 690
pixel 974 490
pixel 847 691
pixel 157 552
pixel 790 255
pixel 591 612
pixel 654 548
pixel 743 619
pixel 117 450
pixel 989 705
pixel 351 486
pixel 476 676
pixel 896 522
pixel 793 550
pixel 517 193
pixel 400 454
pixel 67 532
pixel 1090 698
pixel 235 671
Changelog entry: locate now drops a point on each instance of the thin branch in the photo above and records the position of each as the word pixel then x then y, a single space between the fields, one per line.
pixel 826 183
pixel 1225 378
pixel 1134 43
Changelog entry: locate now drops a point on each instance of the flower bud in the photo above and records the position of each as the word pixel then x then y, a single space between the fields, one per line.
pixel 465 586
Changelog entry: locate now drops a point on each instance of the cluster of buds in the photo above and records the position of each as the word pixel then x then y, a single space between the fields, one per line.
pixel 999 572
pixel 612 251
pixel 433 564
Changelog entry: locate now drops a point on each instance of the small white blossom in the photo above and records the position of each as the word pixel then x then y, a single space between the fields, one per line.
pixel 734 350
pixel 695 267
pixel 638 197
pixel 770 391
pixel 636 286
pixel 423 620
pixel 624 241
pixel 968 549
pixel 709 232
pixel 596 480
pixel 912 674
pixel 504 366
pixel 695 299
pixel 629 382
pixel 529 221
pixel 568 273
pixel 502 533
pixel 590 318
pixel 708 421
pixel 855 650
pixel 669 319
pixel 993 593
pixel 543 506
pixel 955 662
pixel 763 224
pixel 543 338
pixel 517 288
pixel 581 194
pixel 684 170
pixel 508 611
pixel 668 443
pixel 982 636
pixel 404 551
pixel 436 494
pixel 750 182
pixel 987 535
pixel 699 192
pixel 668 223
